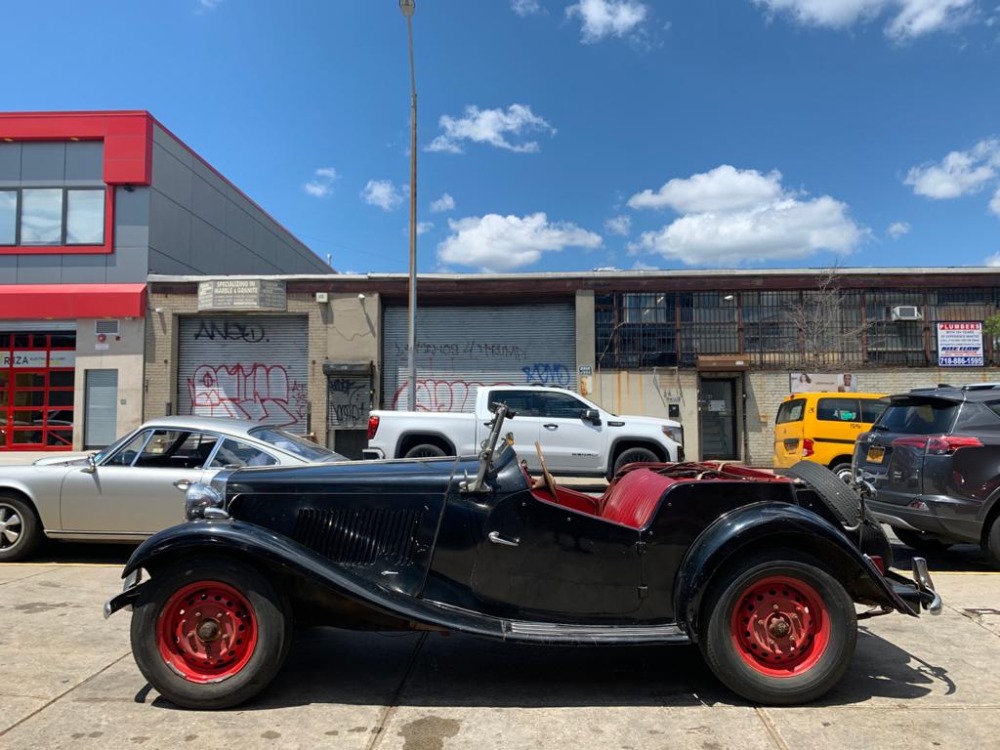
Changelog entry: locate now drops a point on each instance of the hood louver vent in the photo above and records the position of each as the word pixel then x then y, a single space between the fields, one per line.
pixel 360 536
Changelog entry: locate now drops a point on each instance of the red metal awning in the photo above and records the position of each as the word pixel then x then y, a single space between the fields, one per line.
pixel 71 301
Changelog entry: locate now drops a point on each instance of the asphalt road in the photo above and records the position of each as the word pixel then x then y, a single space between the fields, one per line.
pixel 67 680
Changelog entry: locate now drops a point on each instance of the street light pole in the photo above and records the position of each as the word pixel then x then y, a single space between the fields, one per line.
pixel 407 7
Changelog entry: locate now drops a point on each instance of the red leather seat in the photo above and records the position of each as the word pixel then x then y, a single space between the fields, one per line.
pixel 632 499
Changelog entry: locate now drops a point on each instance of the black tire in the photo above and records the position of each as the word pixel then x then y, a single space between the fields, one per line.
pixel 843 501
pixel 921 541
pixel 991 545
pixel 635 455
pixel 425 450
pixel 235 604
pixel 755 655
pixel 843 472
pixel 20 529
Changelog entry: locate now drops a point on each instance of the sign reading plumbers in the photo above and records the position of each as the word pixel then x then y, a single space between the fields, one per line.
pixel 960 344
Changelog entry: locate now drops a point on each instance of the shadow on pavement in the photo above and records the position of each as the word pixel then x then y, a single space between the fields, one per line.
pixel 961 557
pixel 81 553
pixel 327 666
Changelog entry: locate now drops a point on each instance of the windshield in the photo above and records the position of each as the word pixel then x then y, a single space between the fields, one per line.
pixel 296 444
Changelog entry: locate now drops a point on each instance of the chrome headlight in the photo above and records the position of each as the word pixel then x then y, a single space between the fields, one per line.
pixel 204 501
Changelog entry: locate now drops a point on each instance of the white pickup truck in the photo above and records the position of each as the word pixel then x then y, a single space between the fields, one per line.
pixel 576 436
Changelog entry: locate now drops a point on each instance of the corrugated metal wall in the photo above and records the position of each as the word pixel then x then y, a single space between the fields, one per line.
pixel 250 367
pixel 460 348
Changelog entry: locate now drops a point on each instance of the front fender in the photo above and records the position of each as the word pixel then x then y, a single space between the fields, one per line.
pixel 774 526
pixel 291 564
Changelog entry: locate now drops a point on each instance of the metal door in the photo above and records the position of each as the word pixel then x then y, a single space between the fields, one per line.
pixel 717 419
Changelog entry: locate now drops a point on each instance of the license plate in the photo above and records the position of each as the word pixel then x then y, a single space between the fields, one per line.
pixel 875 454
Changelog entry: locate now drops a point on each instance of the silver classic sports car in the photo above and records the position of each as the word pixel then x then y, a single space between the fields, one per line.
pixel 135 486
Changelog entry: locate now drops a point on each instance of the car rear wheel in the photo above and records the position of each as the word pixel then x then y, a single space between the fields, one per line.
pixel 992 545
pixel 425 450
pixel 921 541
pixel 210 633
pixel 20 529
pixel 779 632
pixel 843 472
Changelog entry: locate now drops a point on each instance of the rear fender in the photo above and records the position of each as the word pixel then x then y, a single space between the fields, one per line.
pixel 774 526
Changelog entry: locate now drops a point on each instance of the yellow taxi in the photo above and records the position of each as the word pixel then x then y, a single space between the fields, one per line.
pixel 822 427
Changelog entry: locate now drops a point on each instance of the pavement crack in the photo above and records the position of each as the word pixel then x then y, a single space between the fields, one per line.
pixel 771 729
pixel 66 692
pixel 389 711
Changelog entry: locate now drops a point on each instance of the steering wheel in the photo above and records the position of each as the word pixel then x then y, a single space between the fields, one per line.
pixel 546 481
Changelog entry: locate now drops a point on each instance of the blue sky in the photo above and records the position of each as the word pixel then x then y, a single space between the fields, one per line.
pixel 564 136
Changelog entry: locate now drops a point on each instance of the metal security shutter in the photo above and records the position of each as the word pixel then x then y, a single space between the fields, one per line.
pixel 460 348
pixel 100 411
pixel 249 367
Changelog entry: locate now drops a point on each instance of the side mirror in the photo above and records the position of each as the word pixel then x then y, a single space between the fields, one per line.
pixel 91 464
pixel 591 415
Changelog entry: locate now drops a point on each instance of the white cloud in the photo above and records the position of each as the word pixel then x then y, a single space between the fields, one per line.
pixel 995 203
pixel 423 227
pixel 444 203
pixel 620 225
pixel 383 193
pixel 733 217
pixel 959 173
pixel 604 18
pixel 321 185
pixel 907 18
pixel 993 260
pixel 204 6
pixel 490 126
pixel 495 243
pixel 525 7
pixel 897 229
pixel 725 188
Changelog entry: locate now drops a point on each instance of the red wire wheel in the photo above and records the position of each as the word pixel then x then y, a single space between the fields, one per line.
pixel 780 626
pixel 206 632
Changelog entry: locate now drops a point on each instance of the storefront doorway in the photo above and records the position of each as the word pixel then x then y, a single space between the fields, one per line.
pixel 36 390
pixel 717 418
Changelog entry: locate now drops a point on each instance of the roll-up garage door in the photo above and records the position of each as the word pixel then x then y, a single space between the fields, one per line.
pixel 249 367
pixel 460 348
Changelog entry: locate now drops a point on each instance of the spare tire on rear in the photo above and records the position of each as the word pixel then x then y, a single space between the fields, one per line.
pixel 840 498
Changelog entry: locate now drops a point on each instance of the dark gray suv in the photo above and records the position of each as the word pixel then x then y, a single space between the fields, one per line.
pixel 933 459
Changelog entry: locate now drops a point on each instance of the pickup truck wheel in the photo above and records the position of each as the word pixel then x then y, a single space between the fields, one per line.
pixel 780 632
pixel 841 499
pixel 20 529
pixel 635 455
pixel 210 632
pixel 425 450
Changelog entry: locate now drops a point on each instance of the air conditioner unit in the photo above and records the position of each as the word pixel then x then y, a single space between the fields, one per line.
pixel 905 312
pixel 106 327
pixel 322 297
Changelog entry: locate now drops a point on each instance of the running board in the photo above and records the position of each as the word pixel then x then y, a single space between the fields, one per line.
pixel 554 632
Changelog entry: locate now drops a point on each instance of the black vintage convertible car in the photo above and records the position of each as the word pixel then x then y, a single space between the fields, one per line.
pixel 763 572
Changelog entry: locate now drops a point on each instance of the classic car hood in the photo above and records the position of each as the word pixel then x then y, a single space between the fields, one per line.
pixel 410 476
pixel 61 459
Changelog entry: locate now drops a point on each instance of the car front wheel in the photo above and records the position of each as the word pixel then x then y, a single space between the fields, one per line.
pixel 779 632
pixel 210 632
pixel 20 529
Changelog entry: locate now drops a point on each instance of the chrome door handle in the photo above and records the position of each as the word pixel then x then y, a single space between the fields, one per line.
pixel 494 536
pixel 551 426
pixel 182 484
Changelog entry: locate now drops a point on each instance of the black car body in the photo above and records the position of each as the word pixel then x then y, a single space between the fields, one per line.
pixel 671 553
pixel 932 461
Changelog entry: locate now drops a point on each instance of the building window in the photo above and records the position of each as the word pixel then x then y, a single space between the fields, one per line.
pixel 8 217
pixel 52 216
